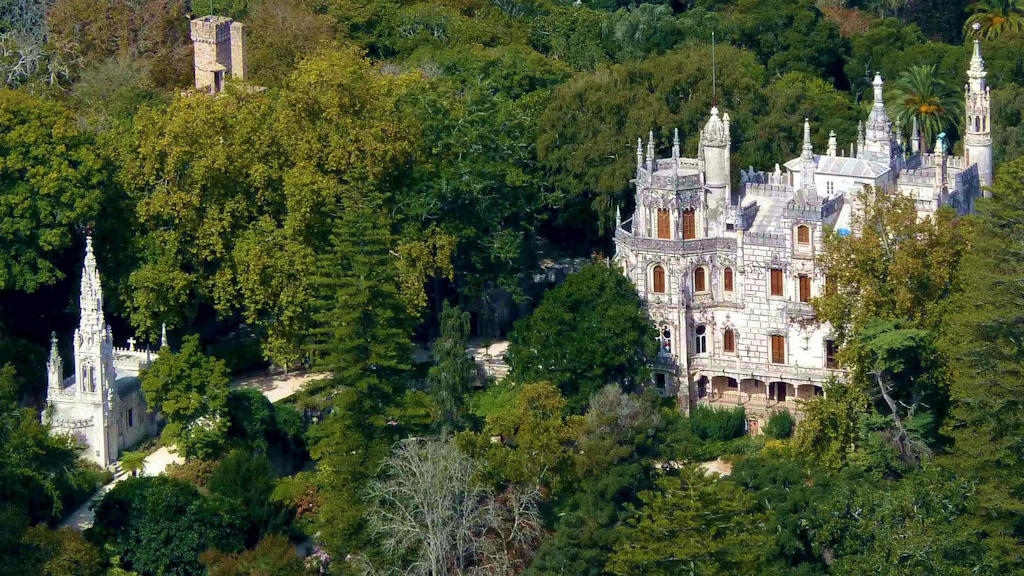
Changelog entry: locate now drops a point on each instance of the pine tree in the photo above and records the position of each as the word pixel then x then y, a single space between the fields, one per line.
pixel 987 347
pixel 364 339
pixel 454 371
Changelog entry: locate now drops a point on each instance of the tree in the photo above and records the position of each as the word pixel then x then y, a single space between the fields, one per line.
pixel 994 18
pixel 830 430
pixel 587 332
pixel 190 389
pixel 453 371
pixel 985 347
pixel 431 515
pixel 528 441
pixel 133 462
pixel 62 552
pixel 694 524
pixel 247 479
pixel 274 555
pixel 157 525
pixel 251 418
pixel 921 94
pixel 52 186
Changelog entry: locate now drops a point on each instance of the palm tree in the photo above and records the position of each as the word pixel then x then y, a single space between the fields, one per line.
pixel 920 93
pixel 133 462
pixel 994 18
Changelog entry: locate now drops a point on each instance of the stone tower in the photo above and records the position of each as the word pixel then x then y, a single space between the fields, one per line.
pixel 94 364
pixel 715 141
pixel 219 47
pixel 879 141
pixel 978 133
pixel 810 166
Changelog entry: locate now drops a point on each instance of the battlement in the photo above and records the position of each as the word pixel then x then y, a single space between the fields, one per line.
pixel 211 29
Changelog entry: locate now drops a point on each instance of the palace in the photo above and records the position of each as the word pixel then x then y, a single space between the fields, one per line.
pixel 102 404
pixel 727 279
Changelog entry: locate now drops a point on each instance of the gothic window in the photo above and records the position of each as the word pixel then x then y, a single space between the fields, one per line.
pixel 659 279
pixel 830 354
pixel 776 287
pixel 803 234
pixel 727 279
pixel 805 288
pixel 977 124
pixel 699 280
pixel 700 340
pixel 729 340
pixel 689 225
pixel 778 349
pixel 664 228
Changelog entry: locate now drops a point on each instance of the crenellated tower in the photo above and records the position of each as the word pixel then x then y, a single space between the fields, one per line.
pixel 978 133
pixel 219 51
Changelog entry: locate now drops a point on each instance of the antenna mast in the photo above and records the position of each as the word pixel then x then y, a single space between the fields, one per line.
pixel 714 73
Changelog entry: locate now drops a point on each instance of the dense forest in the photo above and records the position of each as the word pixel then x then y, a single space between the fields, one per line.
pixel 387 184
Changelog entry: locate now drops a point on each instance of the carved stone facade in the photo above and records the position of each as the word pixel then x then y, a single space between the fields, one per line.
pixel 101 404
pixel 727 280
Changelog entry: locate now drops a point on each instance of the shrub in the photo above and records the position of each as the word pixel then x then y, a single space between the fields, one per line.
pixel 780 425
pixel 718 424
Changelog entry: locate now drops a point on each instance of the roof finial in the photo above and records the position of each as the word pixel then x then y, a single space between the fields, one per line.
pixel 675 143
pixel 832 144
pixel 639 152
pixel 808 149
pixel 915 138
pixel 163 335
pixel 650 151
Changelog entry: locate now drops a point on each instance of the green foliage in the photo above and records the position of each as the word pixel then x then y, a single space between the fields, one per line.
pixel 984 343
pixel 248 480
pixel 251 418
pixel 274 554
pixel 718 424
pixel 995 18
pixel 190 389
pixel 692 523
pixel 780 425
pixel 62 552
pixel 921 94
pixel 453 371
pixel 133 462
pixel 830 430
pixel 156 525
pixel 53 183
pixel 557 342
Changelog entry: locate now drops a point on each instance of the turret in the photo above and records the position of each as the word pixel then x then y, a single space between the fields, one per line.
pixel 879 141
pixel 714 144
pixel 978 133
pixel 219 51
pixel 916 145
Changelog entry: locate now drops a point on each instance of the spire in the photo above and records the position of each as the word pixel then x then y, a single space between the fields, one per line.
pixel 976 73
pixel 54 359
pixel 915 138
pixel 639 152
pixel 877 84
pixel 832 144
pixel 618 217
pixel 675 143
pixel 808 149
pixel 163 331
pixel 860 139
pixel 91 299
pixel 54 365
pixel 651 161
pixel 714 74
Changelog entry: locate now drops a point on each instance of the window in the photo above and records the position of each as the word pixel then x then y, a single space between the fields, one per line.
pixel 699 281
pixel 733 383
pixel 689 225
pixel 805 288
pixel 666 341
pixel 778 349
pixel 729 226
pixel 830 187
pixel 700 341
pixel 664 228
pixel 131 419
pixel 659 279
pixel 830 354
pixel 729 340
pixel 776 282
pixel 803 234
pixel 727 279
pixel 659 381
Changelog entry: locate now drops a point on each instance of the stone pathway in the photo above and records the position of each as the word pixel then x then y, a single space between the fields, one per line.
pixel 275 388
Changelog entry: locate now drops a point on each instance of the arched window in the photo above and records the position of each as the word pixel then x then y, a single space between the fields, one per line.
pixel 803 234
pixel 727 279
pixel 729 340
pixel 659 279
pixel 664 228
pixel 689 225
pixel 700 340
pixel 977 123
pixel 699 280
pixel 984 122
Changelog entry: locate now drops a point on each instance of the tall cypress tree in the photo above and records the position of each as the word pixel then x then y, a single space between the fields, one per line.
pixel 986 343
pixel 453 371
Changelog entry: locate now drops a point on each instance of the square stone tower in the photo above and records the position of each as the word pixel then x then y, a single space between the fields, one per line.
pixel 219 47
